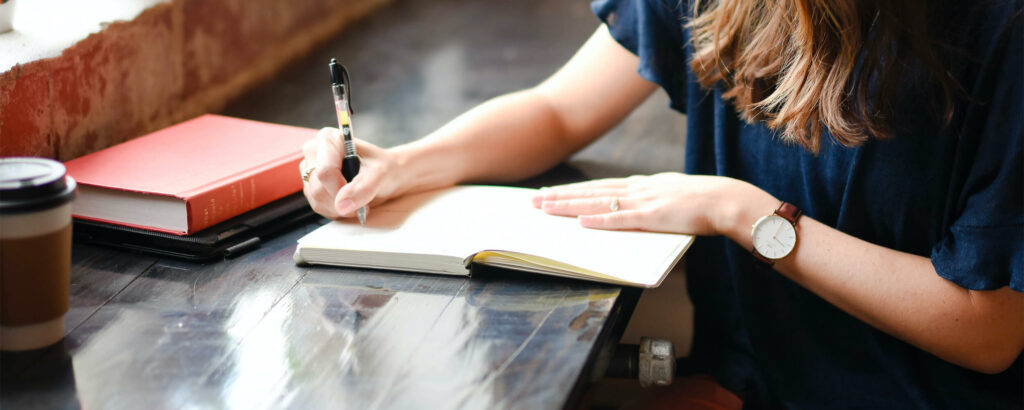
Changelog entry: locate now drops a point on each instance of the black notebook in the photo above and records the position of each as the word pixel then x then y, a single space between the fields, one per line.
pixel 226 239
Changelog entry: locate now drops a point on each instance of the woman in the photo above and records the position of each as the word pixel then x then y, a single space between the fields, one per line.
pixel 894 128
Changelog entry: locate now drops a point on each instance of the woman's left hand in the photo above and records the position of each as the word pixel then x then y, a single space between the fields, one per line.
pixel 666 202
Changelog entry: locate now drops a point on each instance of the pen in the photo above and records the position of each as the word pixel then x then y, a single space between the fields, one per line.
pixel 342 89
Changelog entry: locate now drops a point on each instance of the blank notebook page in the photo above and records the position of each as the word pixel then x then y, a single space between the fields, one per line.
pixel 464 220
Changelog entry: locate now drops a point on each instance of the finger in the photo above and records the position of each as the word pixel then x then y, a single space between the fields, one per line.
pixel 597 192
pixel 305 170
pixel 584 206
pixel 316 196
pixel 325 180
pixel 538 199
pixel 344 204
pixel 309 151
pixel 595 183
pixel 320 198
pixel 318 204
pixel 357 193
pixel 622 220
pixel 328 163
pixel 327 148
pixel 364 148
pixel 362 190
pixel 555 194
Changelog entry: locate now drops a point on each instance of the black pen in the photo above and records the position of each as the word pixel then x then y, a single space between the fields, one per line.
pixel 342 89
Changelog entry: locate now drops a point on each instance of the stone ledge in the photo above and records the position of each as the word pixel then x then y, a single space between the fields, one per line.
pixel 45 28
pixel 175 60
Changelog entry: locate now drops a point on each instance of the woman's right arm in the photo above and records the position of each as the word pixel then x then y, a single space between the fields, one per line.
pixel 509 138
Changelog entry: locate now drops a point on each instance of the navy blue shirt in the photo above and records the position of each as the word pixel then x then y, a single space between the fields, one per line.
pixel 951 193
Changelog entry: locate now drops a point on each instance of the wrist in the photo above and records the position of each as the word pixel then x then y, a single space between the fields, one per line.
pixel 418 167
pixel 743 205
pixel 400 174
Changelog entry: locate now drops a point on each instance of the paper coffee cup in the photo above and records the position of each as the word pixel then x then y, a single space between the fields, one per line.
pixel 6 15
pixel 35 251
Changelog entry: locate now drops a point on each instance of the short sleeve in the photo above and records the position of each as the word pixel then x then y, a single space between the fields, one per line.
pixel 653 30
pixel 984 245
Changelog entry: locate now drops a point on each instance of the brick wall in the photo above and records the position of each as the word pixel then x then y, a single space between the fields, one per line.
pixel 174 61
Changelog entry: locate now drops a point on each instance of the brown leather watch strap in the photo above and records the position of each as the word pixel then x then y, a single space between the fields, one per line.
pixel 761 258
pixel 789 211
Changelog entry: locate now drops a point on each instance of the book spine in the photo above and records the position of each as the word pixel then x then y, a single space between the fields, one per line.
pixel 239 195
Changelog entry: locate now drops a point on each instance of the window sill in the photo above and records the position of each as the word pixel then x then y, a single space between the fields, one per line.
pixel 79 79
pixel 45 28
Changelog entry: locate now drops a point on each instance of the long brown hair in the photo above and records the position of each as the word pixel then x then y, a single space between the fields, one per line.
pixel 793 64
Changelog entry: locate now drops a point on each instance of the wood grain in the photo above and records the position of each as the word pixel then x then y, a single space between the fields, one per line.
pixel 258 331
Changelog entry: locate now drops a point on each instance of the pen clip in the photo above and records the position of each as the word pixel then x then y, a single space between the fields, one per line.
pixel 339 75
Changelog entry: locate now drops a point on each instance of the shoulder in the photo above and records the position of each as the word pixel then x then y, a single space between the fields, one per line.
pixel 653 30
pixel 975 24
pixel 665 14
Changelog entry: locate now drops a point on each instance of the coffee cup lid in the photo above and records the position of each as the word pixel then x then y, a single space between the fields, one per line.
pixel 33 184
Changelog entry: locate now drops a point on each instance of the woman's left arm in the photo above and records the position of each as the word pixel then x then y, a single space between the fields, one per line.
pixel 897 292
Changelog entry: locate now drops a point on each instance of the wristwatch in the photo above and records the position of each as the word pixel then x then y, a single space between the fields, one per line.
pixel 774 236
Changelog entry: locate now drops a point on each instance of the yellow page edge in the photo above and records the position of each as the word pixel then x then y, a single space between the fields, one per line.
pixel 484 257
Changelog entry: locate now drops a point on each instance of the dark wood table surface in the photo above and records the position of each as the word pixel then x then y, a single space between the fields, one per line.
pixel 259 332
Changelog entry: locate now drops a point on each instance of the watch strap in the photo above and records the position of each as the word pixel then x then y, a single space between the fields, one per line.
pixel 761 258
pixel 789 212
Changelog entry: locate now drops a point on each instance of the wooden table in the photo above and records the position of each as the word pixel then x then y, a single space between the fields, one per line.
pixel 258 331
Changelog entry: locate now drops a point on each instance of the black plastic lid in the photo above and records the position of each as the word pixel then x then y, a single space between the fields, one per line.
pixel 33 184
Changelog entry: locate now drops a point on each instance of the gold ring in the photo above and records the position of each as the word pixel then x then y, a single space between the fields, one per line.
pixel 307 173
pixel 614 206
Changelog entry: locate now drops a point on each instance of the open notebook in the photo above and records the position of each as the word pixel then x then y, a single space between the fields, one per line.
pixel 445 231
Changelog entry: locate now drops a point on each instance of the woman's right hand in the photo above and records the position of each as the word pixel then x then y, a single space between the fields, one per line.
pixel 326 190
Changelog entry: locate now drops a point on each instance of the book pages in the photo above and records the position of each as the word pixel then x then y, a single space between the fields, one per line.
pixel 501 227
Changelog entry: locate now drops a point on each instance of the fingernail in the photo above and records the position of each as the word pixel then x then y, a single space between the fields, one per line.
pixel 585 220
pixel 547 205
pixel 346 206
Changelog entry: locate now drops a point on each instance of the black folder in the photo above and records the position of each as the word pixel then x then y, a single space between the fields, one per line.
pixel 226 239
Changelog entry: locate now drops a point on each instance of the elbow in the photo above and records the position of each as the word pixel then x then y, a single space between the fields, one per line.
pixel 996 341
pixel 575 129
pixel 993 363
pixel 992 358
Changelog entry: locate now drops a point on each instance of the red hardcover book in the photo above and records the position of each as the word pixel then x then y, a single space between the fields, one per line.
pixel 190 176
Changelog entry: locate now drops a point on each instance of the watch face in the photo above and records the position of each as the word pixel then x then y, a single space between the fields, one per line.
pixel 773 236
